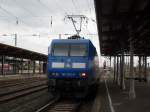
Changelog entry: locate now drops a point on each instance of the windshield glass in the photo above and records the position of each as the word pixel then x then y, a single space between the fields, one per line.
pixel 60 50
pixel 78 50
pixel 69 50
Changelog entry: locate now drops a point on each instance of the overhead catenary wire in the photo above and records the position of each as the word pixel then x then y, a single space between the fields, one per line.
pixel 78 6
pixel 5 18
pixel 92 7
pixel 44 5
pixel 31 13
pixel 4 10
pixel 17 19
pixel 11 14
pixel 48 9
pixel 88 4
pixel 75 7
pixel 28 11
pixel 64 9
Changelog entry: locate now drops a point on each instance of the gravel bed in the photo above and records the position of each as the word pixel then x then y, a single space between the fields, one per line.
pixel 86 106
pixel 88 102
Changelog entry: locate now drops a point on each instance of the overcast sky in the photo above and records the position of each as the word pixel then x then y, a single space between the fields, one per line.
pixel 45 19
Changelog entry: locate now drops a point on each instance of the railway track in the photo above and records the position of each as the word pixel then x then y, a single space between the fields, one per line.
pixel 4 84
pixel 61 105
pixel 22 92
pixel 17 88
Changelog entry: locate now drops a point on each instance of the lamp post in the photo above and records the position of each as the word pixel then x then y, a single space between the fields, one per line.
pixel 15 37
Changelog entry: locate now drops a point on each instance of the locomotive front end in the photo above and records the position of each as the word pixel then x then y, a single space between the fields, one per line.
pixel 71 66
pixel 68 65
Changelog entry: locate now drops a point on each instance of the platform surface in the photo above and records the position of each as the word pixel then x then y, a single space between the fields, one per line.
pixel 121 101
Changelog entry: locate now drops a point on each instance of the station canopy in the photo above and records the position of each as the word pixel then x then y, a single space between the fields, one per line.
pixel 12 51
pixel 122 21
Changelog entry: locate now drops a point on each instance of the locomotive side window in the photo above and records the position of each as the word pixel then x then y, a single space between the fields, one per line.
pixel 49 50
pixel 60 50
pixel 78 50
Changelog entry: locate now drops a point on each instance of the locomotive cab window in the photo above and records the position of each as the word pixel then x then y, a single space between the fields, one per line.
pixel 78 50
pixel 69 50
pixel 60 50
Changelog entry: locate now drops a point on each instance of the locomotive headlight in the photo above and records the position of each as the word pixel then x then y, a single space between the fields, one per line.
pixel 83 75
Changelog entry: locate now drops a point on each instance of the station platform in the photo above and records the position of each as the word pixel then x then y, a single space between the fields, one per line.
pixel 20 76
pixel 122 103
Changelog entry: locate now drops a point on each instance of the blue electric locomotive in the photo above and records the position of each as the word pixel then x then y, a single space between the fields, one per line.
pixel 71 65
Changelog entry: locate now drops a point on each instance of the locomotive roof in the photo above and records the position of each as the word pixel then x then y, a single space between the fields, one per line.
pixel 74 41
pixel 87 41
pixel 71 41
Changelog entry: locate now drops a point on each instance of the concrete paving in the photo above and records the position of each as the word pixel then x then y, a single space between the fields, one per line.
pixel 121 101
